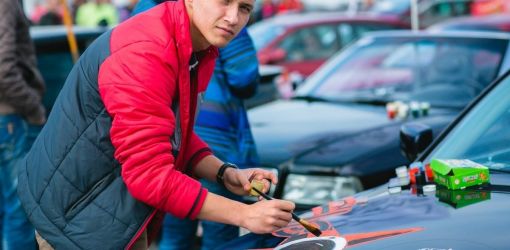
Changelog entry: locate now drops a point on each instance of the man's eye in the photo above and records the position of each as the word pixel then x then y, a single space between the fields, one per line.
pixel 246 9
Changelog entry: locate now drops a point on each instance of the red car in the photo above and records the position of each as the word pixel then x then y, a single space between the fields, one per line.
pixel 302 42
pixel 499 22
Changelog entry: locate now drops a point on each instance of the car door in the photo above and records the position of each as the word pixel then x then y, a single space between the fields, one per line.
pixel 308 47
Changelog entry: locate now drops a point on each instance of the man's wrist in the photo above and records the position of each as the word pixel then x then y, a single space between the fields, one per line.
pixel 240 213
pixel 220 176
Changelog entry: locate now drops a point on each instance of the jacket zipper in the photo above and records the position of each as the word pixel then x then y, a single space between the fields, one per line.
pixel 140 231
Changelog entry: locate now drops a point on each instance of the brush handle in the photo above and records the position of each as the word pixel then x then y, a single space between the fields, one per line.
pixel 267 197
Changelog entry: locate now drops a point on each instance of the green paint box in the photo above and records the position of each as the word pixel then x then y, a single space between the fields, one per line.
pixel 459 174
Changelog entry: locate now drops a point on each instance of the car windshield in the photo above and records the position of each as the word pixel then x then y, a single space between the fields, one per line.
pixel 482 135
pixel 444 71
pixel 263 33
pixel 391 6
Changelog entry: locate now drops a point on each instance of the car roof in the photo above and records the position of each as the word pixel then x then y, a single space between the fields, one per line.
pixel 300 19
pixel 56 31
pixel 501 21
pixel 440 33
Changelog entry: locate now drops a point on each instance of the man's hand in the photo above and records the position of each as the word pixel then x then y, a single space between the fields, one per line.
pixel 262 217
pixel 267 216
pixel 238 181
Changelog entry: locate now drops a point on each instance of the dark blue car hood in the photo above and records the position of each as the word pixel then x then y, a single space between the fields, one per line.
pixel 283 129
pixel 286 129
pixel 375 219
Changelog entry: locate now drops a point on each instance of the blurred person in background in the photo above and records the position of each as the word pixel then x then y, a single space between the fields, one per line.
pixel 268 9
pixel 286 6
pixel 75 5
pixel 47 13
pixel 53 15
pixel 21 115
pixel 97 13
pixel 126 10
pixel 222 123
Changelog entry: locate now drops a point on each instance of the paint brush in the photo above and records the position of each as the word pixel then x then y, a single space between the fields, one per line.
pixel 315 231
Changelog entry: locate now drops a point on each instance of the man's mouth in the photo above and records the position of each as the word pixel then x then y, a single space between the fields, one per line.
pixel 227 30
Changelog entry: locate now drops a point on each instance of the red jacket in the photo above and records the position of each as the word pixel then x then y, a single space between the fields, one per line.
pixel 146 71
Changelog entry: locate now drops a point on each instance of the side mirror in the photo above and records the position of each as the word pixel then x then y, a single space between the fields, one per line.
pixel 276 56
pixel 414 139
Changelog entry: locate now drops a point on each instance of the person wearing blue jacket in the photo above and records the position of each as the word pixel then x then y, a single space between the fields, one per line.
pixel 223 124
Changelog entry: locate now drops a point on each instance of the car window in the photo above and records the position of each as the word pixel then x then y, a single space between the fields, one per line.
pixel 443 71
pixel 443 10
pixel 363 28
pixel 483 135
pixel 310 43
pixel 347 33
pixel 350 32
pixel 264 33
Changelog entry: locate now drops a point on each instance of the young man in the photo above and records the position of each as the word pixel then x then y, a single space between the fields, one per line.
pixel 21 114
pixel 223 124
pixel 119 146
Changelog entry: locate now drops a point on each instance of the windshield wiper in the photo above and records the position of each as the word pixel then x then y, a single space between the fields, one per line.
pixel 370 101
pixel 376 102
pixel 506 171
pixel 310 98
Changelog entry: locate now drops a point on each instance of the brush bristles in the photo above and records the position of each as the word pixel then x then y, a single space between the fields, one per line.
pixel 315 231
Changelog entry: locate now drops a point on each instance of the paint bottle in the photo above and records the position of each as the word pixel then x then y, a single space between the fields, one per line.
pixel 425 106
pixel 415 109
pixel 391 110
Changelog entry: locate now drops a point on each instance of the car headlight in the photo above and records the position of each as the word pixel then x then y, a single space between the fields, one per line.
pixel 317 190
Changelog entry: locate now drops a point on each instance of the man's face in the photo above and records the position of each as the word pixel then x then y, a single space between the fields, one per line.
pixel 219 21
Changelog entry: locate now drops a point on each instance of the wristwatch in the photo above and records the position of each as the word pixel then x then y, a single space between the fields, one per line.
pixel 221 171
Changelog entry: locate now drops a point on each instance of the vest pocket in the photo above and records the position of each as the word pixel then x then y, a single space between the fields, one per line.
pixel 89 196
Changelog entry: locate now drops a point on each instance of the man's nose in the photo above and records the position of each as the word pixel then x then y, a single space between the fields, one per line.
pixel 232 14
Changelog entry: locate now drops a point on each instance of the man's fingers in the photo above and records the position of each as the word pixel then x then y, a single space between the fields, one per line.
pixel 284 205
pixel 267 185
pixel 281 223
pixel 243 179
pixel 279 218
pixel 260 174
pixel 283 215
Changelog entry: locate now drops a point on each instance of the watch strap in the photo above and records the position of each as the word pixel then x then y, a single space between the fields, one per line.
pixel 221 172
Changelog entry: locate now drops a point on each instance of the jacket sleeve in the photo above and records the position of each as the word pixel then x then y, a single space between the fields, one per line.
pixel 136 85
pixel 238 64
pixel 14 90
pixel 198 149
